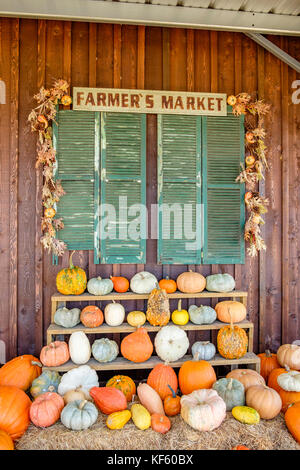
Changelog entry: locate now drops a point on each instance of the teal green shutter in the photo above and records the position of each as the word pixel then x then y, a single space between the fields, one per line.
pixel 76 140
pixel 123 175
pixel 179 182
pixel 223 198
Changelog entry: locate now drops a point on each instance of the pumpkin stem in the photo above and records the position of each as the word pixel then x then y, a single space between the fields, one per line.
pixel 179 305
pixel 173 392
pixel 71 265
pixel 51 388
pixel 230 384
pixel 36 363
pixel 82 404
pixel 268 353
pixel 231 322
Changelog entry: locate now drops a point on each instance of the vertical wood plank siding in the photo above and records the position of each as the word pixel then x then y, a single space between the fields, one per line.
pixel 33 53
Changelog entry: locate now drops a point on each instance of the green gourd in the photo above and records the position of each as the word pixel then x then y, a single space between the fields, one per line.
pixel 105 350
pixel 232 391
pixel 202 315
pixel 79 415
pixel 220 283
pixel 99 286
pixel 67 318
pixel 48 381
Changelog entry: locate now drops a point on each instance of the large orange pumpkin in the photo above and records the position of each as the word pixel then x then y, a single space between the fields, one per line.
pixel 268 362
pixel 71 280
pixel 137 346
pixel 292 420
pixel 6 442
pixel 194 375
pixel 230 310
pixel 191 282
pixel 232 342
pixel 55 354
pixel 91 316
pixel 21 371
pixel 265 400
pixel 272 380
pixel 108 399
pixel 288 398
pixel 123 383
pixel 46 409
pixel 121 284
pixel 161 376
pixel 14 411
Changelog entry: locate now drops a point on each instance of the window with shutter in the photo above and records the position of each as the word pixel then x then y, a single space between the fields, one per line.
pixel 179 189
pixel 123 188
pixel 223 198
pixel 76 140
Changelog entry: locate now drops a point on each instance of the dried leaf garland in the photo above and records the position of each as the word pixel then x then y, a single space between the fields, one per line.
pixel 254 111
pixel 41 119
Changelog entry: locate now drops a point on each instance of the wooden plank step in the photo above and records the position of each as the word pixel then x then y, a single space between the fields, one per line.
pixel 120 363
pixel 57 297
pixel 126 328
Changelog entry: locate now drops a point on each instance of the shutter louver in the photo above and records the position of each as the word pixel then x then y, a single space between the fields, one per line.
pixel 123 184
pixel 179 143
pixel 75 137
pixel 223 153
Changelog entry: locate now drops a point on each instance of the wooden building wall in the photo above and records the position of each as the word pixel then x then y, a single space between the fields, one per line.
pixel 33 53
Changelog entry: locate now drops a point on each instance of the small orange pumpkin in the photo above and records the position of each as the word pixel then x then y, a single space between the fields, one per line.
pixel 55 354
pixel 169 285
pixel 66 100
pixel 231 100
pixel 91 316
pixel 121 284
pixel 20 371
pixel 240 447
pixel 123 383
pixel 160 423
pixel 292 420
pixel 46 409
pixel 230 310
pixel 268 362
pixel 172 404
pixel 6 442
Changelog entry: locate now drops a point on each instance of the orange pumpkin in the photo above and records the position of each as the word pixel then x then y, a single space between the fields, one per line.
pixel 91 316
pixel 265 400
pixel 248 196
pixel 14 411
pixel 6 442
pixel 169 285
pixel 272 380
pixel 66 100
pixel 230 310
pixel 160 423
pixel 172 404
pixel 240 447
pixel 288 398
pixel 161 377
pixel 250 160
pixel 108 399
pixel 268 362
pixel 292 420
pixel 232 342
pixel 46 409
pixel 247 377
pixel 71 280
pixel 231 100
pixel 194 375
pixel 55 354
pixel 49 212
pixel 191 282
pixel 121 284
pixel 21 371
pixel 123 383
pixel 137 346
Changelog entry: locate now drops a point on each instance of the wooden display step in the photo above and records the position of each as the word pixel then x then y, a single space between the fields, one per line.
pixel 121 363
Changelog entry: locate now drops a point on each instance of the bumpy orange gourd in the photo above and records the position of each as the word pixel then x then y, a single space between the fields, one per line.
pixel 20 371
pixel 268 362
pixel 123 383
pixel 71 280
pixel 232 342
pixel 169 285
pixel 158 308
pixel 230 310
pixel 292 420
pixel 161 377
pixel 160 423
pixel 6 442
pixel 108 399
pixel 121 284
pixel 46 409
pixel 91 316
pixel 137 346
pixel 55 354
pixel 14 411
pixel 194 375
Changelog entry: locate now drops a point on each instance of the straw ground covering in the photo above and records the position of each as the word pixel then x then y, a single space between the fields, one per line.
pixel 267 435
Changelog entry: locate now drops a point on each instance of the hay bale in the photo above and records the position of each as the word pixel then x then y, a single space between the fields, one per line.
pixel 267 435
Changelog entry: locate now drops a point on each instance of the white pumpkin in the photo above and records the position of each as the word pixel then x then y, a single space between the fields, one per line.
pixel 203 410
pixel 143 283
pixel 114 314
pixel 289 381
pixel 81 378
pixel 171 343
pixel 79 347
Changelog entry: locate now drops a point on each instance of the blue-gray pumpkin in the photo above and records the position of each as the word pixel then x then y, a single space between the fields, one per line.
pixel 99 286
pixel 67 318
pixel 220 283
pixel 79 415
pixel 48 381
pixel 203 350
pixel 105 350
pixel 232 391
pixel 203 315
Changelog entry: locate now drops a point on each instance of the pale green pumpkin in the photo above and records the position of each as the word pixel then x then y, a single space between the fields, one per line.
pixel 79 415
pixel 105 350
pixel 48 381
pixel 99 286
pixel 232 391
pixel 203 315
pixel 67 318
pixel 203 350
pixel 220 283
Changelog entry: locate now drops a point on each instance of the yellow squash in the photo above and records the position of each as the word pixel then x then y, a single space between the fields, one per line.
pixel 245 414
pixel 180 316
pixel 136 318
pixel 71 280
pixel 140 416
pixel 118 419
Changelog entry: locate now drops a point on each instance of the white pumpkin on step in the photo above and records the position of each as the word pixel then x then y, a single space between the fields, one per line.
pixel 79 347
pixel 114 314
pixel 171 343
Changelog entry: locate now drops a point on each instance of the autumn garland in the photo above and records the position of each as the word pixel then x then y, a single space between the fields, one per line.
pixel 41 118
pixel 255 165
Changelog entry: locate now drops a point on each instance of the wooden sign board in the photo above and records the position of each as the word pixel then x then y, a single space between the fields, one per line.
pixel 146 101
